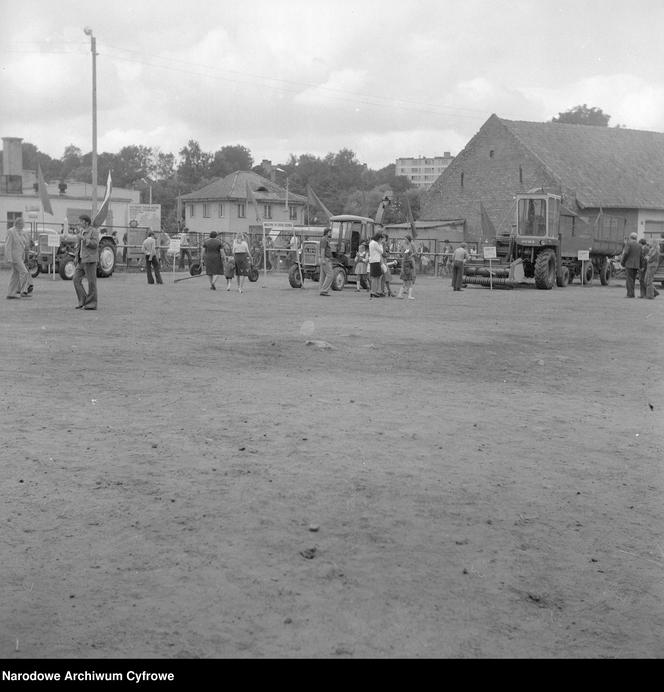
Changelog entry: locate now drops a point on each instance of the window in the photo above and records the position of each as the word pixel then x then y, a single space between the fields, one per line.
pixel 267 211
pixel 521 175
pixel 491 153
pixel 190 209
pixel 241 210
pixel 292 212
pixel 221 209
pixel 206 212
pixel 462 180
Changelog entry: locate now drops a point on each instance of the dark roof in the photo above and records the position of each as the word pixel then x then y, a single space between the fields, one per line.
pixel 605 166
pixel 233 186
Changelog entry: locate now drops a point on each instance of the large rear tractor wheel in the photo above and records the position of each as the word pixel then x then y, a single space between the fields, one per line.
pixel 589 273
pixel 66 268
pixel 106 263
pixel 294 277
pixel 339 279
pixel 563 279
pixel 605 272
pixel 545 270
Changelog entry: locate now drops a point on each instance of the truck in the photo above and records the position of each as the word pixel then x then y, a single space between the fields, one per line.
pixel 544 244
pixel 347 233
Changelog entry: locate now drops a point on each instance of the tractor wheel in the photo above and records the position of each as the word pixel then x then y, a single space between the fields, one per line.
pixel 571 276
pixel 66 268
pixel 545 270
pixel 106 262
pixel 339 279
pixel 563 279
pixel 294 277
pixel 33 268
pixel 589 274
pixel 605 272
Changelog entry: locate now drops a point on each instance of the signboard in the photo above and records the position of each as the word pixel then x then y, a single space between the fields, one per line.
pixel 146 215
pixel 174 246
pixel 53 240
pixel 274 229
pixel 489 252
pixel 583 255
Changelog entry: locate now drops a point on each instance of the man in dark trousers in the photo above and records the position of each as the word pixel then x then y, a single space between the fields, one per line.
pixel 326 273
pixel 631 260
pixel 87 255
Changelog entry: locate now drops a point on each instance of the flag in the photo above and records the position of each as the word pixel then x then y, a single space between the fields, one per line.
pixel 252 199
pixel 100 216
pixel 411 220
pixel 178 211
pixel 315 202
pixel 43 192
pixel 488 229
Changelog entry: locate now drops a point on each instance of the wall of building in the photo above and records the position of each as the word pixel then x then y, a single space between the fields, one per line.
pixel 422 171
pixel 230 222
pixel 491 169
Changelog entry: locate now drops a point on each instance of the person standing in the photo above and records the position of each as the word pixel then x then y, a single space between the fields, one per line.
pixel 294 246
pixel 87 255
pixel 15 250
pixel 459 257
pixel 375 264
pixel 407 268
pixel 361 266
pixel 654 256
pixel 241 257
pixel 631 260
pixel 151 261
pixel 213 260
pixel 643 267
pixel 164 244
pixel 184 249
pixel 326 275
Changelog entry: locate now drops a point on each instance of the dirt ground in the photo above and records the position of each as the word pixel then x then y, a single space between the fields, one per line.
pixel 273 474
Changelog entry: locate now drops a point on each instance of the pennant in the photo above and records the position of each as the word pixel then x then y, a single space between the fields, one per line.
pixel 43 192
pixel 488 229
pixel 411 220
pixel 100 216
pixel 252 199
pixel 178 212
pixel 315 201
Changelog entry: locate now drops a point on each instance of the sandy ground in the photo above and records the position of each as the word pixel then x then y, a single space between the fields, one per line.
pixel 468 475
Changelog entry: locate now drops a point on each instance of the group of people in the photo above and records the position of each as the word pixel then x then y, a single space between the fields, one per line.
pixel 230 261
pixel 640 258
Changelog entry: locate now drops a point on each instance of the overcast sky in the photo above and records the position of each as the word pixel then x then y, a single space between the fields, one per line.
pixel 385 78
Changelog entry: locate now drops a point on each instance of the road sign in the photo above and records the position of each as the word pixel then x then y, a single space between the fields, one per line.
pixel 53 240
pixel 489 252
pixel 583 255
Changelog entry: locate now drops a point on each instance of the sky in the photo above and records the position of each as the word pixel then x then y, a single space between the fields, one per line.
pixel 383 78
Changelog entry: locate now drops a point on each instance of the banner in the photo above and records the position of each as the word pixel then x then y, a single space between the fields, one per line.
pixel 100 216
pixel 314 201
pixel 43 192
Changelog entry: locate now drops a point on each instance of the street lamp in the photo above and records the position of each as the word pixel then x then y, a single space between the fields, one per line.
pixel 93 49
pixel 281 170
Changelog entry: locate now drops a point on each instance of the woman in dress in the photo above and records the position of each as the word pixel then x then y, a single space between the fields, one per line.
pixel 213 263
pixel 241 256
pixel 362 266
pixel 375 261
pixel 407 275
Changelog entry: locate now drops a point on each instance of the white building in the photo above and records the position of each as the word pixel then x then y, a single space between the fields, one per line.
pixel 423 171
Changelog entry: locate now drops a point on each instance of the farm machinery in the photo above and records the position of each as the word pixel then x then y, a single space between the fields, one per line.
pixel 544 244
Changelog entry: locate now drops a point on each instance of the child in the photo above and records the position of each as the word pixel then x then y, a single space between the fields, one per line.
pixel 407 268
pixel 229 270
pixel 362 266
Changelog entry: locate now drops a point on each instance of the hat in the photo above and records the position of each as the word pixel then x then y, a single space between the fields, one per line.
pixel 85 217
pixel 633 235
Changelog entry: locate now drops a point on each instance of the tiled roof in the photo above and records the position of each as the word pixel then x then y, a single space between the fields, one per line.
pixel 606 166
pixel 233 186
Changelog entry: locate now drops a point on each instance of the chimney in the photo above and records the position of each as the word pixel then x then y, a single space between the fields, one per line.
pixel 12 156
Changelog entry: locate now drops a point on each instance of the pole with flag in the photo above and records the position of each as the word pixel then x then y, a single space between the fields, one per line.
pixel 102 213
pixel 43 192
pixel 313 199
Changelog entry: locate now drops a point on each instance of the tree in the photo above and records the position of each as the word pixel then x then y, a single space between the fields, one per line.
pixel 231 158
pixel 582 115
pixel 71 159
pixel 194 163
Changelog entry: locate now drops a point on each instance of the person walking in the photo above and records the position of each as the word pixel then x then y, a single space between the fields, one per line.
pixel 631 260
pixel 326 270
pixel 375 262
pixel 15 250
pixel 654 257
pixel 151 261
pixel 87 256
pixel 407 275
pixel 241 257
pixel 459 257
pixel 362 266
pixel 643 267
pixel 213 260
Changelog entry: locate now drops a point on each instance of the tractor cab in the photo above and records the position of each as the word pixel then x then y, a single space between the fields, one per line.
pixel 537 216
pixel 347 232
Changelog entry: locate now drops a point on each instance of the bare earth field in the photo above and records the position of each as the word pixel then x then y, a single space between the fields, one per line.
pixel 458 476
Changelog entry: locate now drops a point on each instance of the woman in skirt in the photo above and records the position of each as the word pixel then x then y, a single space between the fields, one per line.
pixel 407 275
pixel 241 256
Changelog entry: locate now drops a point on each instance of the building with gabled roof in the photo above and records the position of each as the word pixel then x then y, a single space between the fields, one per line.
pixel 617 170
pixel 223 205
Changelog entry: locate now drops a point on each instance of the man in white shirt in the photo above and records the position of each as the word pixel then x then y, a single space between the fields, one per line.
pixel 459 258
pixel 151 261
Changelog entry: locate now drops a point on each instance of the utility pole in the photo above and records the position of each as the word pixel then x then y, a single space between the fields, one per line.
pixel 93 49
